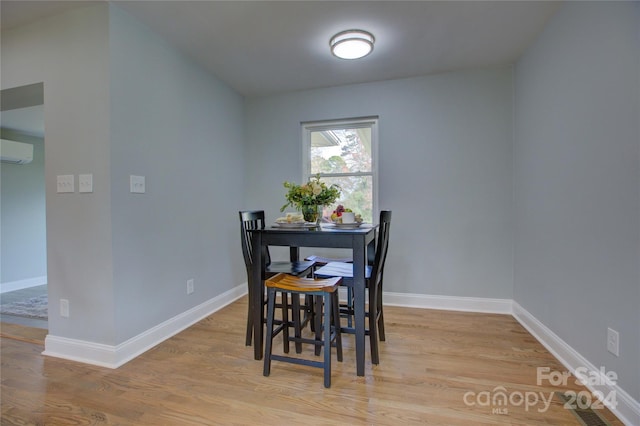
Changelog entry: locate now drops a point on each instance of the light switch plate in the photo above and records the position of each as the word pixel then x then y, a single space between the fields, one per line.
pixel 85 183
pixel 136 184
pixel 65 183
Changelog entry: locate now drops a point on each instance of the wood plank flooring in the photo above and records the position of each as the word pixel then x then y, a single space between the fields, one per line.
pixel 24 333
pixel 432 362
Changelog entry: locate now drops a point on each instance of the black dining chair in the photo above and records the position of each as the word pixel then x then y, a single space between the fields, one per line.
pixel 346 308
pixel 374 279
pixel 252 220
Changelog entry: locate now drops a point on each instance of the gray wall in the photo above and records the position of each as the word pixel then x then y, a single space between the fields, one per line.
pixel 182 129
pixel 120 101
pixel 577 182
pixel 69 54
pixel 445 170
pixel 23 215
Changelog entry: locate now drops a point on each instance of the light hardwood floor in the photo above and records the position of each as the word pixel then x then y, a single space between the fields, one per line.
pixel 206 376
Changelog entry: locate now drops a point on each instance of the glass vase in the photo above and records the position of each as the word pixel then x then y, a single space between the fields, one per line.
pixel 312 213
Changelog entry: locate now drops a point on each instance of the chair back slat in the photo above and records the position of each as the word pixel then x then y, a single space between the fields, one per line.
pixel 381 248
pixel 251 220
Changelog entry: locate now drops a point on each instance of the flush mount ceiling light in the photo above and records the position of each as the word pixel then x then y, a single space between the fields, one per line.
pixel 352 44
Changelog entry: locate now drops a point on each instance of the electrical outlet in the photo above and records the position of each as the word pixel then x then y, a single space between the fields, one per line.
pixel 613 341
pixel 190 287
pixel 64 308
pixel 137 184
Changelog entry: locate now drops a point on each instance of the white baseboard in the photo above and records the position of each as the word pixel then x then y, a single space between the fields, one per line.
pixel 21 284
pixel 627 409
pixel 449 303
pixel 115 356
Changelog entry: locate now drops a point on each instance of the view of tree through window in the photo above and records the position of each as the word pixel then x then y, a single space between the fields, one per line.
pixel 343 154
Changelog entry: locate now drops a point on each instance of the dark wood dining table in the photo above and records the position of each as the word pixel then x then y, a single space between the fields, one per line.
pixel 360 240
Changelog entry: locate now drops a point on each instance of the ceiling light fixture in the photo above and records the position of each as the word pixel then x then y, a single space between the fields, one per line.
pixel 352 44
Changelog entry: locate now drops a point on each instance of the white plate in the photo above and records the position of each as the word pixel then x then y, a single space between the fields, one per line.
pixel 347 225
pixel 295 224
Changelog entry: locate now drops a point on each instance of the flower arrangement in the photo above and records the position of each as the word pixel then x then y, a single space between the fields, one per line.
pixel 313 193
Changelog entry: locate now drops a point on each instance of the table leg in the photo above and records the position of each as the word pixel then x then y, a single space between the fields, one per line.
pixel 294 254
pixel 359 262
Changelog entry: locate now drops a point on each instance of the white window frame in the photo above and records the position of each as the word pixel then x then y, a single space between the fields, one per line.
pixel 352 123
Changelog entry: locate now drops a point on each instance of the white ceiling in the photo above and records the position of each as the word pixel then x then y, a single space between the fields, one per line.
pixel 267 47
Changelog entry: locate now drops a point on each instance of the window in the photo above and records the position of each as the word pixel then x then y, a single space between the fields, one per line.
pixel 344 152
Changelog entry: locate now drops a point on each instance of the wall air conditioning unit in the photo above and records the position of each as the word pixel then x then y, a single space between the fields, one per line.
pixel 15 152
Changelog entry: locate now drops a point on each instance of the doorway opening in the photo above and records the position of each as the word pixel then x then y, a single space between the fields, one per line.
pixel 23 268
